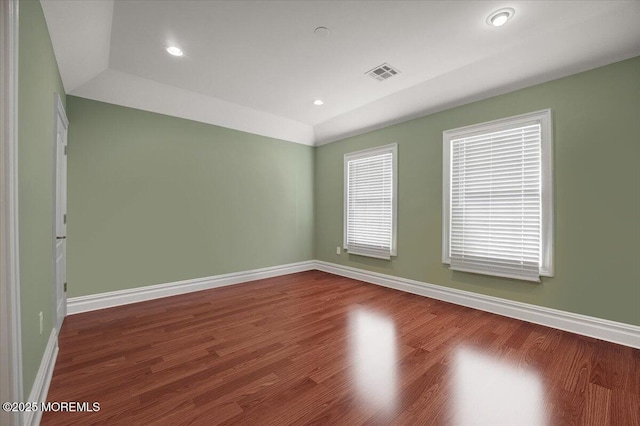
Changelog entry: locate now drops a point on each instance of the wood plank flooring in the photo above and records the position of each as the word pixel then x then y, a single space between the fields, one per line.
pixel 315 348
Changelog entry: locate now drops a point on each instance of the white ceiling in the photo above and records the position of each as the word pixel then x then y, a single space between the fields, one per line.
pixel 257 66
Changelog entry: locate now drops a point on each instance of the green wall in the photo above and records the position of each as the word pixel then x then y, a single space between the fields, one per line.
pixel 38 80
pixel 596 121
pixel 154 199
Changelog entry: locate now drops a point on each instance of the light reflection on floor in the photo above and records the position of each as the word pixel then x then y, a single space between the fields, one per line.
pixel 489 391
pixel 372 348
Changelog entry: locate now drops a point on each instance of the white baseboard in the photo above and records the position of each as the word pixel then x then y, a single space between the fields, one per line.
pixel 611 331
pixel 76 305
pixel 41 384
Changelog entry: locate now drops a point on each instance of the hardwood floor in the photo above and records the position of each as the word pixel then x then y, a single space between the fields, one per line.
pixel 315 348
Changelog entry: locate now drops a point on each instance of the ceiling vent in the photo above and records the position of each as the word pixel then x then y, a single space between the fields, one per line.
pixel 382 72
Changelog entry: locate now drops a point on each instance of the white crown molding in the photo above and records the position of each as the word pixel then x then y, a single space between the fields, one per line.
pixel 611 331
pixel 40 387
pixel 93 302
pixel 128 90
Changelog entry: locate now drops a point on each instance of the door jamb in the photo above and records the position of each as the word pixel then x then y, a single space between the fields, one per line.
pixel 58 109
pixel 11 386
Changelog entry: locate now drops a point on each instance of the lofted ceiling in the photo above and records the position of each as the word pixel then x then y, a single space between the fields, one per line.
pixel 257 66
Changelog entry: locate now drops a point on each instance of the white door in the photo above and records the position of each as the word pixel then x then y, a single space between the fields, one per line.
pixel 61 214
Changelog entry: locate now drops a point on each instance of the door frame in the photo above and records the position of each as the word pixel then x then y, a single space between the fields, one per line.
pixel 11 385
pixel 59 111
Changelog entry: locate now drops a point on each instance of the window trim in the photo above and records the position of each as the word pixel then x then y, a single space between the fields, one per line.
pixel 546 179
pixel 393 148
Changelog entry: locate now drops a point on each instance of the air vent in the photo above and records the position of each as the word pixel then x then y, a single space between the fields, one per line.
pixel 382 72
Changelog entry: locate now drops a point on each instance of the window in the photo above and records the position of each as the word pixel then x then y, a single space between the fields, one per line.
pixel 498 200
pixel 370 204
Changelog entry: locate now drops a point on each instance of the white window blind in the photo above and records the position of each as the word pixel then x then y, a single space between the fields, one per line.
pixel 497 208
pixel 370 203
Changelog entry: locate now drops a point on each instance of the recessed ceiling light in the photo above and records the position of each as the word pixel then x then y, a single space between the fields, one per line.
pixel 318 102
pixel 321 31
pixel 174 50
pixel 500 17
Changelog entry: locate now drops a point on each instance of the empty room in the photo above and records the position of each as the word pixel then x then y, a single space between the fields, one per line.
pixel 320 212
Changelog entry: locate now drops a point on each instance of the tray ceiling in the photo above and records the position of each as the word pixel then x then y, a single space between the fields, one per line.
pixel 257 66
